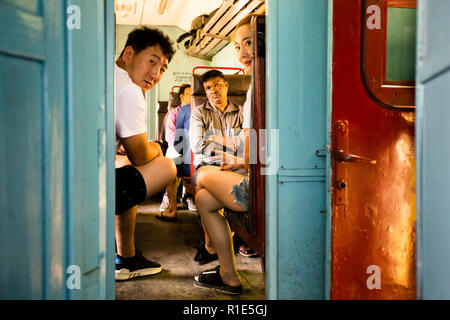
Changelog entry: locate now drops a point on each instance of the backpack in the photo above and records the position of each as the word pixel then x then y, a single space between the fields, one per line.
pixel 197 24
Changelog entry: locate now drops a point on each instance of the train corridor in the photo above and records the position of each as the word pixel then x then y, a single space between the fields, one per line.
pixel 172 244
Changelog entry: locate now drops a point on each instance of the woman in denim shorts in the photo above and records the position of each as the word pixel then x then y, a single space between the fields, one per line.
pixel 226 186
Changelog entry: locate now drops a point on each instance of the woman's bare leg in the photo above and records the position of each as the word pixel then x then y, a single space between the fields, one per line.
pixel 209 246
pixel 217 226
pixel 219 184
pixel 213 195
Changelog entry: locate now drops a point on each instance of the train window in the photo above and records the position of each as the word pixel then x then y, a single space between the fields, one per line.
pixel 400 44
pixel 389 51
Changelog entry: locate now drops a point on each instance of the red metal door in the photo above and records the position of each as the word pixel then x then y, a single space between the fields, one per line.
pixel 373 192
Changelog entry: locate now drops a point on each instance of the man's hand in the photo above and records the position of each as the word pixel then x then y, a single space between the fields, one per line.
pixel 228 161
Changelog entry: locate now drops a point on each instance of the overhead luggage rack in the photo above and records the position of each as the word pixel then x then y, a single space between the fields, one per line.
pixel 216 33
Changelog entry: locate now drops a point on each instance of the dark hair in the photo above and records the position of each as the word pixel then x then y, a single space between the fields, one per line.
pixel 212 74
pixel 183 88
pixel 141 39
pixel 245 21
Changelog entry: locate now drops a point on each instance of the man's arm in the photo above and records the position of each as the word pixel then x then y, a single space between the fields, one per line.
pixel 139 150
pixel 234 143
pixel 199 144
pixel 227 142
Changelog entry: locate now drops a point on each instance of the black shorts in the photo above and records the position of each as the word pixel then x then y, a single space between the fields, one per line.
pixel 183 170
pixel 130 188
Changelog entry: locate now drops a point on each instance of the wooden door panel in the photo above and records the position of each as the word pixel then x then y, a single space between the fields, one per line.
pixel 53 192
pixel 21 164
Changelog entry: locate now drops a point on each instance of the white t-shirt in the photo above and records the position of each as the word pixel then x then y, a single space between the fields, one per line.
pixel 246 124
pixel 131 107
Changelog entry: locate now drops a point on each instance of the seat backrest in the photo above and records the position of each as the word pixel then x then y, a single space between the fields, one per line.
pixel 238 85
pixel 174 99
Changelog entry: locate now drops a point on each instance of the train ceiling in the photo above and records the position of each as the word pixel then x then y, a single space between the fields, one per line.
pixel 162 12
pixel 206 41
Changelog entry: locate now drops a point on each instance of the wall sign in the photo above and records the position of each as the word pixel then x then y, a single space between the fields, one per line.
pixel 125 8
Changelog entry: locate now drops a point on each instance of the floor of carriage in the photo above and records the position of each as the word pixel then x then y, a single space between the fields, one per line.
pixel 172 245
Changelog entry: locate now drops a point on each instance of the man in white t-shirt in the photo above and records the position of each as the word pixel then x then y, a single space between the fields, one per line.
pixel 140 66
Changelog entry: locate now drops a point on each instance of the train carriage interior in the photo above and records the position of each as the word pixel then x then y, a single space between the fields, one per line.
pixel 201 31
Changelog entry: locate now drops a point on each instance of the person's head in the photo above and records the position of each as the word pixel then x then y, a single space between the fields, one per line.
pixel 243 43
pixel 216 88
pixel 146 56
pixel 174 100
pixel 185 94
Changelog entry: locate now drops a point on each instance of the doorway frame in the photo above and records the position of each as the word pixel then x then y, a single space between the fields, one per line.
pixel 107 267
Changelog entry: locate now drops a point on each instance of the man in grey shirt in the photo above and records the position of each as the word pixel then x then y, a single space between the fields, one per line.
pixel 217 117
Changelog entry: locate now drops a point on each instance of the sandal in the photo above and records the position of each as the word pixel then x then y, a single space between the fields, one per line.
pixel 203 256
pixel 211 279
pixel 164 218
pixel 248 252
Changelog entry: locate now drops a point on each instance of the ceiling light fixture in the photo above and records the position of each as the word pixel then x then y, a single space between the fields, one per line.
pixel 162 7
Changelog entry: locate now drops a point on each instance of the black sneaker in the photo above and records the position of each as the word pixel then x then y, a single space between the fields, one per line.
pixel 137 266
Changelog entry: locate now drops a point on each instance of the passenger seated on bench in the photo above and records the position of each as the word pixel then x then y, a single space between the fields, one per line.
pixel 174 101
pixel 182 145
pixel 140 66
pixel 220 187
pixel 168 205
pixel 216 117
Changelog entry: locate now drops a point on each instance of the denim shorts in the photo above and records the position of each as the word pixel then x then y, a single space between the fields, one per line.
pixel 240 192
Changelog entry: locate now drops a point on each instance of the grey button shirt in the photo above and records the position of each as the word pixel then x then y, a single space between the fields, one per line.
pixel 207 120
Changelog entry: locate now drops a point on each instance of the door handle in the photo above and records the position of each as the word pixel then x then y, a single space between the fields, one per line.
pixel 341 156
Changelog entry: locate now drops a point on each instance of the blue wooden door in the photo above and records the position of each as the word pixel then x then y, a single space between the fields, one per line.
pixel 433 150
pixel 56 142
pixel 296 118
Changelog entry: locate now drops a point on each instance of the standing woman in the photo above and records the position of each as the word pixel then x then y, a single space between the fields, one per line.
pixel 219 188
